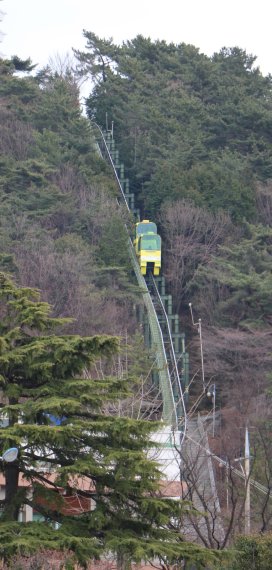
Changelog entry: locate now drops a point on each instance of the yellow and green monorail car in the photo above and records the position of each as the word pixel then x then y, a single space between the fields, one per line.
pixel 148 247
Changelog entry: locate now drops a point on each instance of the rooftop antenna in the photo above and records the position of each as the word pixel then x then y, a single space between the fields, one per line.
pixel 199 330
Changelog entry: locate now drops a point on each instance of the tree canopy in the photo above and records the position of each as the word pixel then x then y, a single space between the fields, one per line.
pixel 185 124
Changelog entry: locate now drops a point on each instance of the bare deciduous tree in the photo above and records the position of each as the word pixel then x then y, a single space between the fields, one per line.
pixel 261 450
pixel 219 508
pixel 16 137
pixel 264 201
pixel 192 235
pixel 239 361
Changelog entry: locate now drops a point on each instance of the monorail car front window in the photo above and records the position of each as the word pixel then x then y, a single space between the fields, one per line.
pixel 152 242
pixel 145 228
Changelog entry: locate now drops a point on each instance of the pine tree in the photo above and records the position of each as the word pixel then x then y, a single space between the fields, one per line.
pixel 244 270
pixel 38 373
pixel 52 412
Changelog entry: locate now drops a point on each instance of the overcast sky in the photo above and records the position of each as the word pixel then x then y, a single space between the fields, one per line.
pixel 41 28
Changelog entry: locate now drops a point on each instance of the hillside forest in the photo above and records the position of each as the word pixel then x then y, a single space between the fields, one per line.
pixel 195 135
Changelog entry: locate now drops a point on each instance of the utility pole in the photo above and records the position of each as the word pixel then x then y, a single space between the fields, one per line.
pixel 199 330
pixel 247 483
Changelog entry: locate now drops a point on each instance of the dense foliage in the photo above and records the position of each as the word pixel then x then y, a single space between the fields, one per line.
pixel 253 552
pixel 188 126
pixel 58 210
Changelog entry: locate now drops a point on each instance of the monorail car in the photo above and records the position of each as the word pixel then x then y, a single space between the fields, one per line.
pixel 148 247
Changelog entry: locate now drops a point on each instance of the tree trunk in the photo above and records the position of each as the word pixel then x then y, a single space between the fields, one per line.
pixel 122 562
pixel 12 506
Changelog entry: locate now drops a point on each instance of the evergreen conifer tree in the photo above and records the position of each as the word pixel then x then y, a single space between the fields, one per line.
pixel 52 411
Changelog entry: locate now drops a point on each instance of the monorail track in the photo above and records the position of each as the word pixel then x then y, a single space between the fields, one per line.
pixel 168 347
pixel 174 411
